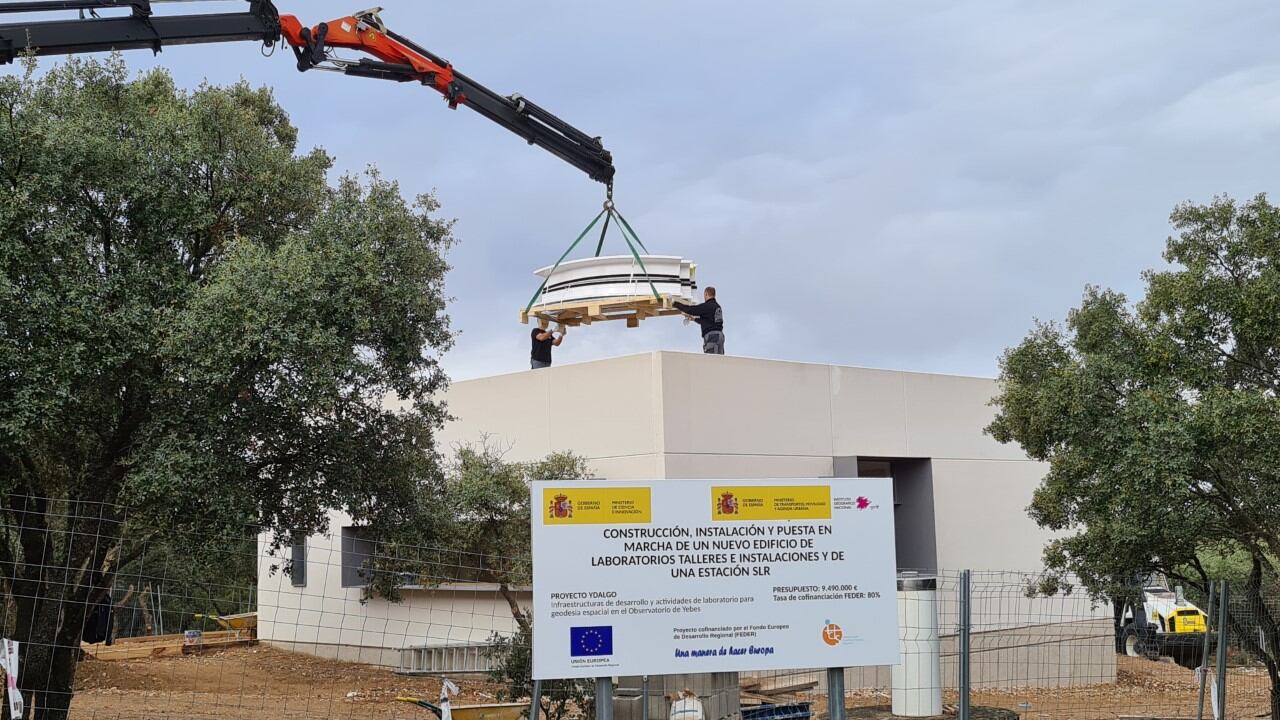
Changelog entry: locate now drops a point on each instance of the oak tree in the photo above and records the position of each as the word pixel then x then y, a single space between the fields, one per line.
pixel 1160 421
pixel 196 324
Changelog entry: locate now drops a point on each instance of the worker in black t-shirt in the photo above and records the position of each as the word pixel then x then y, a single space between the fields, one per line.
pixel 710 319
pixel 543 340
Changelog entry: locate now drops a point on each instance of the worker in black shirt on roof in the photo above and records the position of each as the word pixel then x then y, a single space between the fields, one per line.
pixel 710 318
pixel 543 340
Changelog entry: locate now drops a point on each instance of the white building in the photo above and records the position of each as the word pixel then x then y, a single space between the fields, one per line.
pixel 960 500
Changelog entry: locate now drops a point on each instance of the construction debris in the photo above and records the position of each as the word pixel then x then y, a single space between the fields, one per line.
pixel 757 691
pixel 154 646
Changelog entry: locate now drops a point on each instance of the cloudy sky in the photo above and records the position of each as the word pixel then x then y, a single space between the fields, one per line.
pixel 891 184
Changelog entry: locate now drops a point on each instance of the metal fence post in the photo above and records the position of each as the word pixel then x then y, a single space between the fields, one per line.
pixel 966 625
pixel 604 698
pixel 1203 671
pixel 644 698
pixel 535 700
pixel 835 693
pixel 1224 636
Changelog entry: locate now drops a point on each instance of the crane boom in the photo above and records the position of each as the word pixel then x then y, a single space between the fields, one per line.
pixel 394 58
pixel 140 30
pixel 402 60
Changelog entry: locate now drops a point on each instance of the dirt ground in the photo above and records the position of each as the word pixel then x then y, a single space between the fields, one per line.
pixel 261 683
pixel 1143 689
pixel 256 683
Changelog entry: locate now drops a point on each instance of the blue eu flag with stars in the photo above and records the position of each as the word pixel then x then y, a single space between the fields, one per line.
pixel 591 641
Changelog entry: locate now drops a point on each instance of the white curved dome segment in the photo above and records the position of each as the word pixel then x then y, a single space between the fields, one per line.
pixel 617 276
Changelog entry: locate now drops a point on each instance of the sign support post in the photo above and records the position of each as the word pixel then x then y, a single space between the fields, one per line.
pixel 604 698
pixel 835 693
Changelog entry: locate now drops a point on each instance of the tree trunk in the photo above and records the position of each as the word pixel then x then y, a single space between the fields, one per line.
pixel 517 612
pixel 1117 612
pixel 63 567
pixel 143 597
pixel 118 610
pixel 1275 698
pixel 47 672
pixel 1249 616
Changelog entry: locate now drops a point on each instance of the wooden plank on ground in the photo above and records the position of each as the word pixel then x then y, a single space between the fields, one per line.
pixel 205 647
pixel 791 688
pixel 134 652
pixel 137 648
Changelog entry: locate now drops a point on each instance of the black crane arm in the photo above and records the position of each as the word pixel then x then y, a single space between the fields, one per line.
pixel 398 58
pixel 141 30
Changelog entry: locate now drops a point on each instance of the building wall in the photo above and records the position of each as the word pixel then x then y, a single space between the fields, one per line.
pixel 326 619
pixel 680 415
pixel 675 415
pixel 605 410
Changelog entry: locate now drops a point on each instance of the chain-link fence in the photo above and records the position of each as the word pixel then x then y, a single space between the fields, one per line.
pixel 114 620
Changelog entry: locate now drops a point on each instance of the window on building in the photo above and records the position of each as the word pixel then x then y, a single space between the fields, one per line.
pixel 357 549
pixel 298 562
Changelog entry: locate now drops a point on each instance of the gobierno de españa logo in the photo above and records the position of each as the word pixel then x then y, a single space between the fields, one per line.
pixel 832 633
pixel 728 504
pixel 561 507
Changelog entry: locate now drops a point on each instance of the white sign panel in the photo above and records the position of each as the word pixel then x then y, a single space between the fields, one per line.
pixel 683 576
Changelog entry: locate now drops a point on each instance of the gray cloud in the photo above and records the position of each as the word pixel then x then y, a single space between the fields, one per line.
pixel 890 184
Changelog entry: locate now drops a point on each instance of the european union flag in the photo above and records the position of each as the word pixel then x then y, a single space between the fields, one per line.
pixel 591 641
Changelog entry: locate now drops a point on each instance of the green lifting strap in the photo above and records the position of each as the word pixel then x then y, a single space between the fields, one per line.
pixel 543 286
pixel 603 231
pixel 628 235
pixel 623 221
pixel 636 255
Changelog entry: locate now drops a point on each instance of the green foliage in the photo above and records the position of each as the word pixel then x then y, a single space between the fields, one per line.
pixel 489 501
pixel 513 670
pixel 480 531
pixel 196 325
pixel 1160 422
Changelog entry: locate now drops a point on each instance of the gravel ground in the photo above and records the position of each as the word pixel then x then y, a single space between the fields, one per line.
pixel 261 683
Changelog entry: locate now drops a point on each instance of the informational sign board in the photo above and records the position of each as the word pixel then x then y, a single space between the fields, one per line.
pixel 682 576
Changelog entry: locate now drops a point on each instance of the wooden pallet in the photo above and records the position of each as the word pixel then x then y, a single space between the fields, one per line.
pixel 632 309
